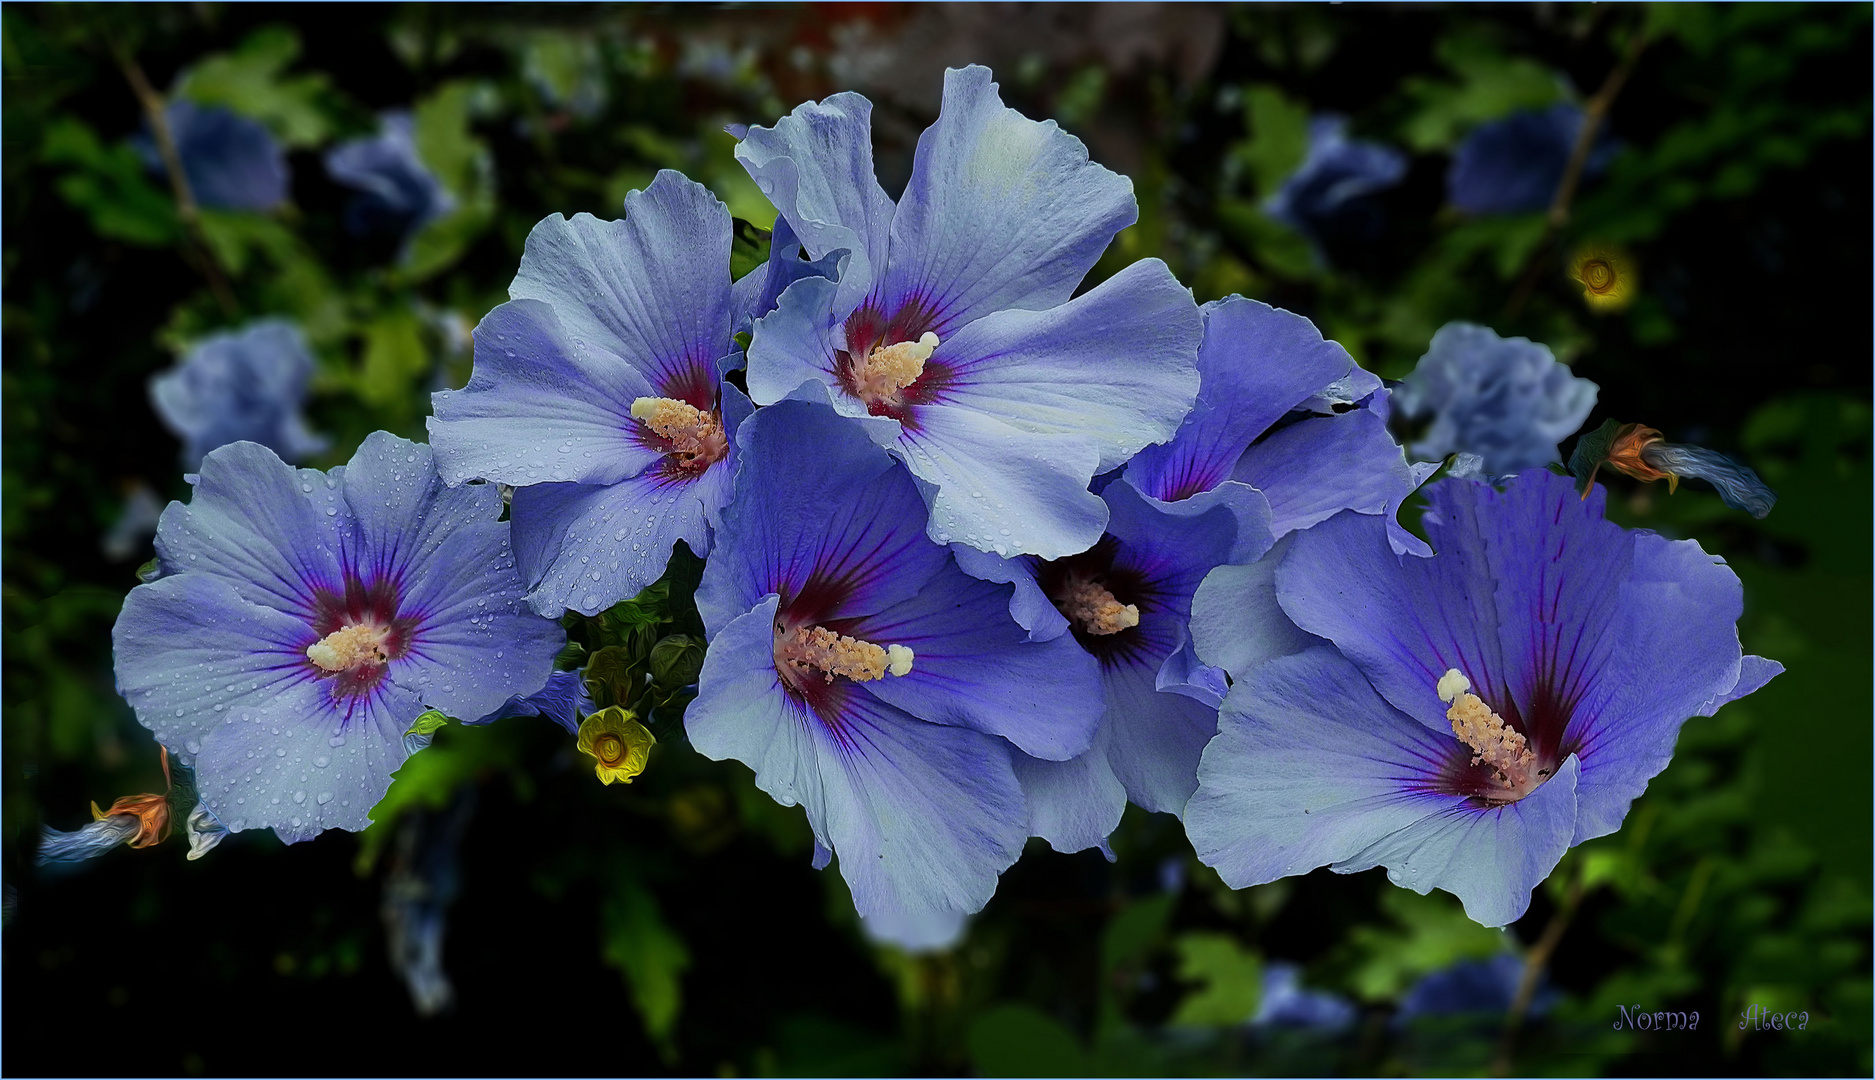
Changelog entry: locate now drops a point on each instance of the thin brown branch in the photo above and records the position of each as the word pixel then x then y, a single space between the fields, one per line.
pixel 1535 962
pixel 1594 112
pixel 195 244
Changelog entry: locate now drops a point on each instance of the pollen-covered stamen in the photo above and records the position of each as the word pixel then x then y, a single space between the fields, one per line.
pixel 803 651
pixel 696 437
pixel 889 369
pixel 360 645
pixel 1496 743
pixel 1095 610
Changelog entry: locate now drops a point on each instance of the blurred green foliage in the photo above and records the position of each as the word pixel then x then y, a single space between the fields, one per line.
pixel 675 925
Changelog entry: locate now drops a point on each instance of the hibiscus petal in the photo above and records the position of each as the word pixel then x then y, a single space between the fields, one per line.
pixel 251 524
pixel 998 488
pixel 587 546
pixel 539 408
pixel 1489 858
pixel 300 778
pixel 401 511
pixel 650 291
pixel 1116 365
pixel 1236 623
pixel 1310 767
pixel 1257 363
pixel 1154 738
pixel 1315 468
pixel 815 498
pixel 793 346
pixel 1074 804
pixel 815 165
pixel 976 668
pixel 1404 621
pixel 1001 211
pixel 924 817
pixel 1029 605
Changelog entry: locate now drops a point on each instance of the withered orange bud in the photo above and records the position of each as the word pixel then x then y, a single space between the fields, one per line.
pixel 1625 449
pixel 151 812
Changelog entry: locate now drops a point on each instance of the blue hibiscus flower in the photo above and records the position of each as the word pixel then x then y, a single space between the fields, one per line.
pixel 1463 719
pixel 951 337
pixel 862 675
pixel 304 620
pixel 230 161
pixel 1514 165
pixel 1327 198
pixel 241 384
pixel 397 192
pixel 1504 402
pixel 598 392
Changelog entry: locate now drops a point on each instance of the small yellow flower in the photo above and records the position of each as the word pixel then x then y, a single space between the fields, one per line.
pixel 617 742
pixel 1607 275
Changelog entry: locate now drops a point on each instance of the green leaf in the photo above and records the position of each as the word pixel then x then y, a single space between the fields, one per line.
pixel 1487 85
pixel 428 723
pixel 445 143
pixel 110 186
pixel 650 955
pixel 1430 933
pixel 749 248
pixel 1133 931
pixel 1018 1040
pixel 394 359
pixel 1230 980
pixel 1278 137
pixel 1279 248
pixel 251 81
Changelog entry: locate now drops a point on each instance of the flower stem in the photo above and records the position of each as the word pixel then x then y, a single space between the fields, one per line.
pixel 1593 113
pixel 195 245
pixel 1534 962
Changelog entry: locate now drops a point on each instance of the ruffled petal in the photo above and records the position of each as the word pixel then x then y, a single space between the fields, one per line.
pixel 476 643
pixel 924 817
pixel 1074 804
pixel 1491 859
pixel 759 291
pixel 1154 738
pixel 1029 605
pixel 998 488
pixel 815 499
pixel 1236 623
pixel 1309 768
pixel 1116 365
pixel 300 778
pixel 1001 211
pixel 251 524
pixel 976 668
pixel 1322 465
pixel 650 292
pixel 815 165
pixel 793 346
pixel 540 408
pixel 1257 363
pixel 586 547
pixel 563 700
pixel 1404 621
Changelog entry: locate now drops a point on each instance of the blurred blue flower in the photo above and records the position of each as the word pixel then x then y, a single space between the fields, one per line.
pixel 1506 400
pixel 230 161
pixel 865 677
pixel 1472 987
pixel 304 620
pixel 424 880
pixel 1286 1003
pixel 1471 715
pixel 397 192
pixel 1327 196
pixel 1513 165
pixel 953 336
pixel 598 392
pixel 246 384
